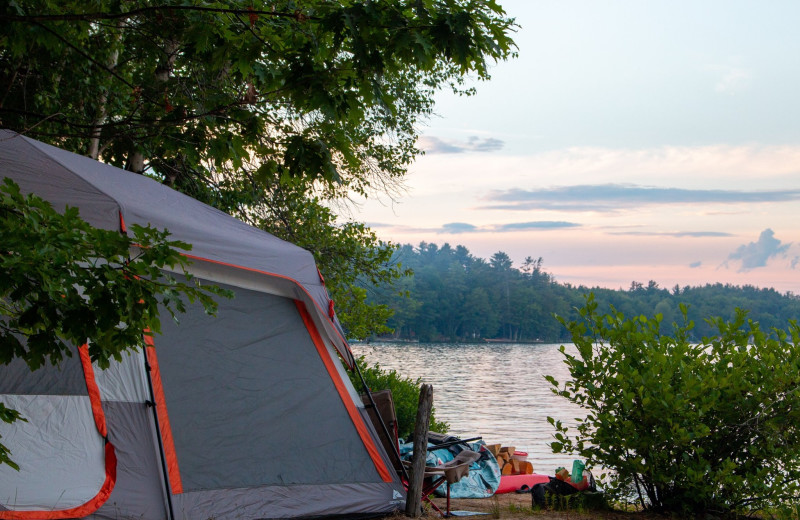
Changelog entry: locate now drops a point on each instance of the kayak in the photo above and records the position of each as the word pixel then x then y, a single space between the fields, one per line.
pixel 512 483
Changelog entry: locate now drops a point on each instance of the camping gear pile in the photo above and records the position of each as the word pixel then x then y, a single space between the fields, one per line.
pixel 580 480
pixel 209 419
pixel 484 474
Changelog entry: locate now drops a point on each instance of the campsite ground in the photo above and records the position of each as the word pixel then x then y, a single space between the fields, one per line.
pixel 511 505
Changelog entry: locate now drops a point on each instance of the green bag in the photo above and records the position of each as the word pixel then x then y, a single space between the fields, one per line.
pixel 577 471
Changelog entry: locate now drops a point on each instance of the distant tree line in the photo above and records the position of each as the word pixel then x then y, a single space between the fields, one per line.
pixel 455 296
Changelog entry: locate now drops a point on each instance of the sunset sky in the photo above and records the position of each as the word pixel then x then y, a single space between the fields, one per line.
pixel 631 140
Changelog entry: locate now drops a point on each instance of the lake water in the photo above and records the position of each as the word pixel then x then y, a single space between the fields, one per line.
pixel 495 391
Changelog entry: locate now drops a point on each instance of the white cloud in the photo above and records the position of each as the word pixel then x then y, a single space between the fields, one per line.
pixel 612 197
pixel 734 80
pixel 702 167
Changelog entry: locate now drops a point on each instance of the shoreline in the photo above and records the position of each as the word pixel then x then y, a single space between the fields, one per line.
pixel 478 341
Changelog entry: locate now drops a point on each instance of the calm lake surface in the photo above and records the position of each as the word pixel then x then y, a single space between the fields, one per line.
pixel 495 391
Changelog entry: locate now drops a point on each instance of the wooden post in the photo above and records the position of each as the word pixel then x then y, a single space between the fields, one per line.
pixel 414 498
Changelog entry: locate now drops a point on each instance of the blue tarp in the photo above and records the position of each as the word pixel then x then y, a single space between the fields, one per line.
pixel 484 475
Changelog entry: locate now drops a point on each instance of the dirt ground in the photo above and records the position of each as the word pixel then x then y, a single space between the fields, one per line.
pixel 512 505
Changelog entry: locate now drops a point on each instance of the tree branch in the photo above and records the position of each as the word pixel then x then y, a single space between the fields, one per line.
pixel 84 54
pixel 89 17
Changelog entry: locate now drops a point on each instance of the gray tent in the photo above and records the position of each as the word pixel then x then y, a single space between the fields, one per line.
pixel 246 415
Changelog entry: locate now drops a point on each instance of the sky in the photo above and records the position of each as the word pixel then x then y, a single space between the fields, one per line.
pixel 630 141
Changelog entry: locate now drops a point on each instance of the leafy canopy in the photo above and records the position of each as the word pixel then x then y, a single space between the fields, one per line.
pixel 275 112
pixel 319 89
pixel 687 427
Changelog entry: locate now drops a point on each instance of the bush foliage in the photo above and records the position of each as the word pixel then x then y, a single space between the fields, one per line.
pixel 64 282
pixel 687 427
pixel 405 394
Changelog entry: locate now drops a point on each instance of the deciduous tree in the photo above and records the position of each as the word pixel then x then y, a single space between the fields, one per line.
pixel 234 102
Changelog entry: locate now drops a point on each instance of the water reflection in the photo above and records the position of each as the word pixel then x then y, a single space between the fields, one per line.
pixel 496 391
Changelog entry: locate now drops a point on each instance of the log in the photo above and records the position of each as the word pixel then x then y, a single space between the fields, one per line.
pixel 507 469
pixel 526 467
pixel 414 497
pixel 515 467
pixel 494 449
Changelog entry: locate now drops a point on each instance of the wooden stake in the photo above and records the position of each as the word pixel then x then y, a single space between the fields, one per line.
pixel 414 498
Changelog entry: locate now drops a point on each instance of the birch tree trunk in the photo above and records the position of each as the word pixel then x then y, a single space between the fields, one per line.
pixel 97 128
pixel 135 161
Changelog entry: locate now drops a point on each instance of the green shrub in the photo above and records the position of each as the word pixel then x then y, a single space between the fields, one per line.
pixel 405 394
pixel 685 426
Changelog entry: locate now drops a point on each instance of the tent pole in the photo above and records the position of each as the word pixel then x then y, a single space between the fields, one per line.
pixel 152 404
pixel 380 420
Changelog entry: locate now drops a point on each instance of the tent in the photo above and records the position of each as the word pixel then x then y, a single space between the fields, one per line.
pixel 246 415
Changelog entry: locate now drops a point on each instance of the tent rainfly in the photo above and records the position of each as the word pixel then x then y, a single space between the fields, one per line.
pixel 247 415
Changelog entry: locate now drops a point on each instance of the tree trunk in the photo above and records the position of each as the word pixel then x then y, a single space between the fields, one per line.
pixel 414 500
pixel 111 64
pixel 135 161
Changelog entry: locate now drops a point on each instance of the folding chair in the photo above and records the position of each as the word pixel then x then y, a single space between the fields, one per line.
pixel 448 473
pixel 380 408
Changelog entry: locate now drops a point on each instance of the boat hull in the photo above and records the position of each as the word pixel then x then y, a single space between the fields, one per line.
pixel 512 483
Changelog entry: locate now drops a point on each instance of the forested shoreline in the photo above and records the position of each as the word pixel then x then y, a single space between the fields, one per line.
pixel 455 296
